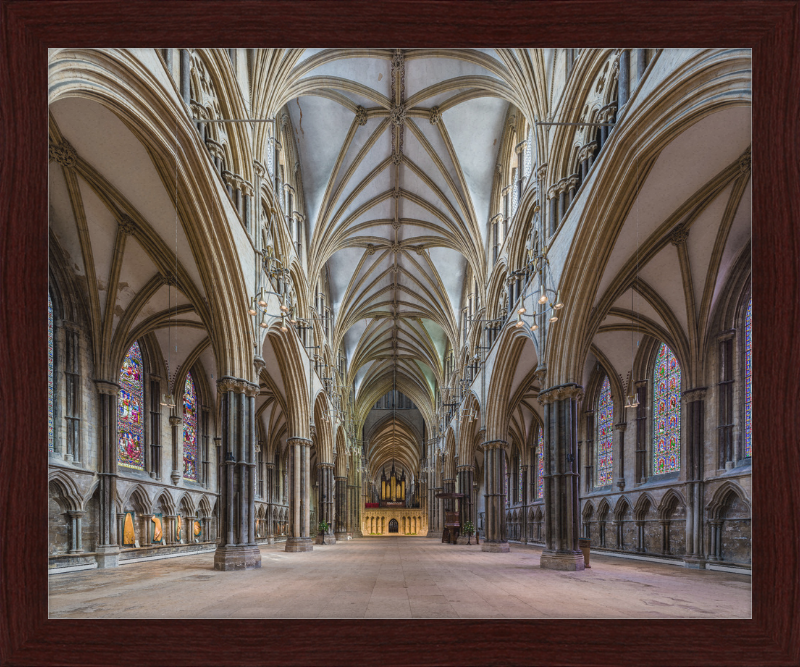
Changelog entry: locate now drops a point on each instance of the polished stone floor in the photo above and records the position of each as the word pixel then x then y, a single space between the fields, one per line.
pixel 399 577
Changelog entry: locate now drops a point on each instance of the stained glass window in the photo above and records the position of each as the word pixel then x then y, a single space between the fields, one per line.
pixel 514 201
pixel 519 485
pixel 748 380
pixel 505 488
pixel 50 400
pixel 189 429
pixel 540 467
pixel 605 435
pixel 130 450
pixel 667 407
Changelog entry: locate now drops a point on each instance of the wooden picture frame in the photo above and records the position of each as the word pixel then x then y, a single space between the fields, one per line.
pixel 29 27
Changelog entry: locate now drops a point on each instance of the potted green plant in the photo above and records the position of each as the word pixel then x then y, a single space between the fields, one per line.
pixel 469 530
pixel 323 528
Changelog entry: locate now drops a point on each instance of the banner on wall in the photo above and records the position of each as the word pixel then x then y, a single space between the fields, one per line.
pixel 178 528
pixel 158 533
pixel 128 534
pixel 198 530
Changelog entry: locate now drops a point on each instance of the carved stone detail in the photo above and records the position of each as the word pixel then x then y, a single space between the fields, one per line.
pixel 679 235
pixel 64 154
pixel 398 114
pixel 436 115
pixel 561 392
pixel 127 225
pixel 397 158
pixel 361 115
pixel 370 249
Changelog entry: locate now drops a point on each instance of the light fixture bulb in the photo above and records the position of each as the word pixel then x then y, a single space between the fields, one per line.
pixel 284 307
pixel 543 298
pixel 252 311
pixel 521 310
pixel 554 319
pixel 262 303
pixel 534 326
pixel 263 325
pixel 519 324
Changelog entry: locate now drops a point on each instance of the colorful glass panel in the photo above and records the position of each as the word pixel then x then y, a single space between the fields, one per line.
pixel 529 153
pixel 667 407
pixel 130 450
pixel 50 396
pixel 519 485
pixel 189 429
pixel 748 380
pixel 540 467
pixel 605 435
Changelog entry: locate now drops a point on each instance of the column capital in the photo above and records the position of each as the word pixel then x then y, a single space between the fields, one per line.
pixel 726 335
pixel 237 385
pixel 621 426
pixel 465 468
pixel 297 440
pixel 174 421
pixel 325 466
pixel 108 388
pixel 494 444
pixel 560 392
pixel 696 394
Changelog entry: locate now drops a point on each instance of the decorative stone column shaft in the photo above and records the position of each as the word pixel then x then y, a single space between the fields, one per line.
pixel 340 532
pixel 694 402
pixel 327 500
pixel 177 461
pixel 623 85
pixel 299 534
pixel 237 548
pixel 185 74
pixel 494 457
pixel 561 477
pixel 108 549
pixel 466 476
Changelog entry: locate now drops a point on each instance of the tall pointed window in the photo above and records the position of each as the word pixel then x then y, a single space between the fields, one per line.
pixel 519 481
pixel 540 466
pixel 50 394
pixel 189 429
pixel 605 435
pixel 667 408
pixel 130 448
pixel 748 380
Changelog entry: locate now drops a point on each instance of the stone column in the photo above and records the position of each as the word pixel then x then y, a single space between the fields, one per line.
pixel 551 195
pixel 494 458
pixel 620 429
pixel 177 442
pixel 327 498
pixel 639 58
pixel 107 549
pixel 341 508
pixel 168 529
pixel 562 200
pixel 694 405
pixel 561 506
pixel 466 475
pixel 664 536
pixel 75 537
pixel 186 71
pixel 236 547
pixel 524 500
pixel 623 85
pixel 144 529
pixel 270 491
pixel 299 537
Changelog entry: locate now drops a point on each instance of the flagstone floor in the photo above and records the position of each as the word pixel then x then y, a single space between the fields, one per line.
pixel 399 577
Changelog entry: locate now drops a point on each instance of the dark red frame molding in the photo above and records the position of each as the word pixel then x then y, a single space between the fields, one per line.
pixel 28 28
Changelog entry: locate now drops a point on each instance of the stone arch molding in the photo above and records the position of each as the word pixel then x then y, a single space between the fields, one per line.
pixel 149 107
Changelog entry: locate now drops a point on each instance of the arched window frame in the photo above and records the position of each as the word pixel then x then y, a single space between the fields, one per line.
pixel 143 411
pixel 654 415
pixel 604 435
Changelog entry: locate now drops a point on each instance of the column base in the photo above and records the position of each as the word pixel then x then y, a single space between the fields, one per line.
pixel 295 544
pixel 496 547
pixel 462 539
pixel 694 562
pixel 270 539
pixel 107 556
pixel 328 539
pixel 358 533
pixel 568 561
pixel 435 534
pixel 340 536
pixel 245 557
